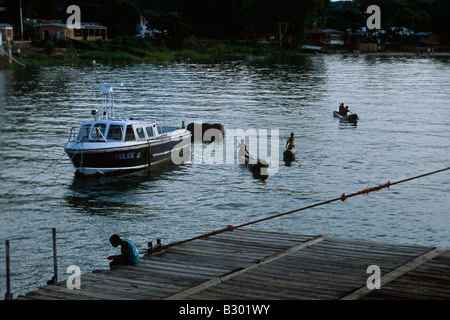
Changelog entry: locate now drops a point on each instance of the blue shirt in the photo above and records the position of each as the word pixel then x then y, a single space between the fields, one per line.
pixel 132 253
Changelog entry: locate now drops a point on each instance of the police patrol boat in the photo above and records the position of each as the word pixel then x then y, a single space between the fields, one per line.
pixel 110 145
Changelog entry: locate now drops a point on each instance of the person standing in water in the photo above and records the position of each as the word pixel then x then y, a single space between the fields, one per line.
pixel 290 144
pixel 243 154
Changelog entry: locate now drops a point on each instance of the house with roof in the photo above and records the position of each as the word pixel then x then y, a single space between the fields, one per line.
pixel 316 39
pixel 429 38
pixel 332 37
pixel 60 31
pixel 6 32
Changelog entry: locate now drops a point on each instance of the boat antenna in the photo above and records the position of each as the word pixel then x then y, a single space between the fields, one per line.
pixel 107 99
pixel 164 114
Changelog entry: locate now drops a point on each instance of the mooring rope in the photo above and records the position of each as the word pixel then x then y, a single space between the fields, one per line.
pixel 44 170
pixel 33 177
pixel 343 197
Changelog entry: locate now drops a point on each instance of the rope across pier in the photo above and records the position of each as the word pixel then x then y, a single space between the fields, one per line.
pixel 343 197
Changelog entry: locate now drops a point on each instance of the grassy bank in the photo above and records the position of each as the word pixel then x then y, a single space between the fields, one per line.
pixel 137 50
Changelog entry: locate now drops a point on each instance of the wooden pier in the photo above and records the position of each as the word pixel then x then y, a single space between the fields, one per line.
pixel 248 264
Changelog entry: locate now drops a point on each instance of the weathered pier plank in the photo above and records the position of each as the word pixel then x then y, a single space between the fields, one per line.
pixel 251 264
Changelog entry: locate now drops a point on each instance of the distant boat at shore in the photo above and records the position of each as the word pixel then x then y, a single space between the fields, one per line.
pixel 353 117
pixel 310 48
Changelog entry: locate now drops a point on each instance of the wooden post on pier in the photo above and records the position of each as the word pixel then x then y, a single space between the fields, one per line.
pixel 8 295
pixel 55 260
pixel 9 51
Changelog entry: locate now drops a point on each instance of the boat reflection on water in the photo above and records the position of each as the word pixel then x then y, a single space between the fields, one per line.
pixel 108 194
pixel 347 125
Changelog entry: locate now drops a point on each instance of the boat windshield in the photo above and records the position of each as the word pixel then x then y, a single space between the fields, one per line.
pixel 115 132
pixel 98 132
pixel 83 134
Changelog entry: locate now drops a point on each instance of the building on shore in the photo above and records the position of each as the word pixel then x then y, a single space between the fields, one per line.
pixel 427 38
pixel 332 37
pixel 317 39
pixel 6 33
pixel 60 31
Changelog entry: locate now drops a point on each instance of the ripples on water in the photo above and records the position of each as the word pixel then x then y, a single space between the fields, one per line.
pixel 403 131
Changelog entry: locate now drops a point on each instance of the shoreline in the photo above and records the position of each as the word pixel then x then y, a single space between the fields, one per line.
pixel 408 54
pixel 31 55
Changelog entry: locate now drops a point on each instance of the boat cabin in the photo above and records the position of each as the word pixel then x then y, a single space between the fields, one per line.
pixel 103 131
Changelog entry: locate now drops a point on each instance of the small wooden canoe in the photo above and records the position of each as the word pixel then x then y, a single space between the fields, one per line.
pixel 352 117
pixel 260 169
pixel 289 155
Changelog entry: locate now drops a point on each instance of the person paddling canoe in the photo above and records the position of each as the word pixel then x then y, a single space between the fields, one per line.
pixel 243 152
pixel 290 144
pixel 341 108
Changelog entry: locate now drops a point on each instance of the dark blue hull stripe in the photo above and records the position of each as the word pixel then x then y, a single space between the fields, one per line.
pixel 130 158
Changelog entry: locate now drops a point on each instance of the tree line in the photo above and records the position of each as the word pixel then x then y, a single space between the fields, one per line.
pixel 416 15
pixel 217 19
pixel 240 19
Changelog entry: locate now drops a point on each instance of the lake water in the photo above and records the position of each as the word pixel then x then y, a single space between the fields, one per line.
pixel 404 130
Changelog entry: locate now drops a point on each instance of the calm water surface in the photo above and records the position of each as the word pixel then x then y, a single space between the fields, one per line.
pixel 404 130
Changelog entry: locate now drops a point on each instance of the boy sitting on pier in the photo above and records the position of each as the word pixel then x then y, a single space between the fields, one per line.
pixel 130 254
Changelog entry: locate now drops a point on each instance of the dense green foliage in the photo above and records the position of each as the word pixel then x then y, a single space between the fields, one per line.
pixel 237 19
pixel 240 19
pixel 416 15
pixel 217 19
